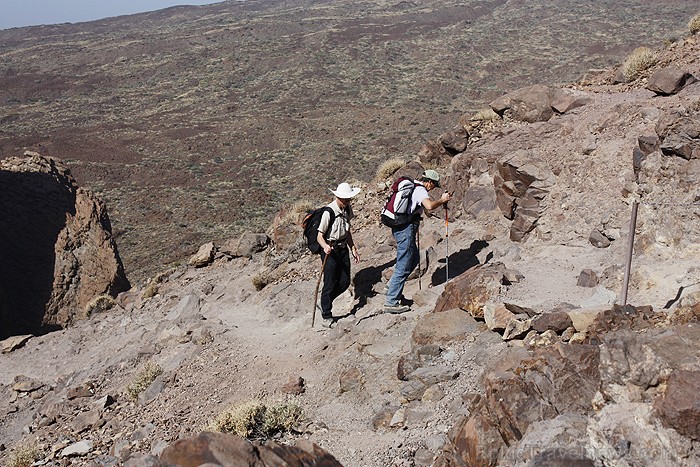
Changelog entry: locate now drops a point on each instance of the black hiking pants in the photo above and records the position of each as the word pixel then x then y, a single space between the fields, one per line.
pixel 336 278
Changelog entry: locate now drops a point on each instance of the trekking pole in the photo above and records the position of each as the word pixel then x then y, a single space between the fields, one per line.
pixel 447 246
pixel 318 282
pixel 418 242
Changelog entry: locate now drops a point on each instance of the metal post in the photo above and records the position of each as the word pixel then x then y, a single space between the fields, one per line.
pixel 447 246
pixel 418 245
pixel 630 247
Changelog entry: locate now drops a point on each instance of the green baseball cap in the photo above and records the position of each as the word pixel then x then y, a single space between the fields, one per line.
pixel 433 176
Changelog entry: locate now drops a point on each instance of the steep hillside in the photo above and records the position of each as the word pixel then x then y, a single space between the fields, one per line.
pixel 194 123
pixel 527 355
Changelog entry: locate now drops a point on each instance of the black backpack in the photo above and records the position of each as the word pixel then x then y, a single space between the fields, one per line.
pixel 310 225
pixel 397 210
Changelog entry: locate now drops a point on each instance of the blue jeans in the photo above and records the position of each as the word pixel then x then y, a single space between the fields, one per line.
pixel 406 261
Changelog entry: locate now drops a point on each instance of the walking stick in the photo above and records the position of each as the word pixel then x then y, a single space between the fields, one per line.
pixel 318 282
pixel 418 242
pixel 447 245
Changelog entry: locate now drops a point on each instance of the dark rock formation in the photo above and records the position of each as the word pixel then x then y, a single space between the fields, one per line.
pixel 679 132
pixel 471 290
pixel 535 103
pixel 56 247
pixel 521 391
pixel 223 449
pixel 669 80
pixel 521 183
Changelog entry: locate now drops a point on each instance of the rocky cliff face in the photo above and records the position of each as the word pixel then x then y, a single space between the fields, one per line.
pixel 56 247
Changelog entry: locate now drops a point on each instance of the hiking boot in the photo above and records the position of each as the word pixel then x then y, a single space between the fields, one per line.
pixel 394 309
pixel 327 323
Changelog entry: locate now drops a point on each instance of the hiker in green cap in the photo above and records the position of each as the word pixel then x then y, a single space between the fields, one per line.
pixel 407 255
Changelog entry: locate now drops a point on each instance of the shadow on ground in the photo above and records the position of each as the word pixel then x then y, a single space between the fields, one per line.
pixel 459 262
pixel 364 282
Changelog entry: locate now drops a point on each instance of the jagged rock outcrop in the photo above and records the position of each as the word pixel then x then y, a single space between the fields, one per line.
pixel 627 396
pixel 57 252
pixel 521 183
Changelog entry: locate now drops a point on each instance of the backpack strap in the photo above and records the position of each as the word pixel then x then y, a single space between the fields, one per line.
pixel 331 220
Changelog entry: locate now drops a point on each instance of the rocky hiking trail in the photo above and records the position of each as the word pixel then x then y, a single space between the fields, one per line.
pixel 221 342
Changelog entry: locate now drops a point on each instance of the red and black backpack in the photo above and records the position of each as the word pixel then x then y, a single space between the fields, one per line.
pixel 397 210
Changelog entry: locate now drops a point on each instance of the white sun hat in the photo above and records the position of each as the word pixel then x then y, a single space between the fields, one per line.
pixel 344 191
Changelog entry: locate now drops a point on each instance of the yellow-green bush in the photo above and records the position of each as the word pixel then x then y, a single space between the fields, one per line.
pixel 694 24
pixel 24 455
pixel 388 168
pixel 99 304
pixel 150 291
pixel 296 212
pixel 257 420
pixel 486 115
pixel 144 378
pixel 261 280
pixel 640 60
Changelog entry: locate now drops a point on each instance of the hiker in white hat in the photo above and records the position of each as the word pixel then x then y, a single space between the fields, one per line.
pixel 337 244
pixel 407 255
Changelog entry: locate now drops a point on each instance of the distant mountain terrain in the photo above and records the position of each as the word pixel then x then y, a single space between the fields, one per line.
pixel 194 123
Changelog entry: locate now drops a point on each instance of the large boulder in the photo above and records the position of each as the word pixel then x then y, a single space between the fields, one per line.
pixel 536 103
pixel 521 390
pixel 473 289
pixel 57 252
pixel 229 450
pixel 669 80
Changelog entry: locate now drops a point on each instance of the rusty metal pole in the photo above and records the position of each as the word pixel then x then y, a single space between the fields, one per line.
pixel 418 245
pixel 630 247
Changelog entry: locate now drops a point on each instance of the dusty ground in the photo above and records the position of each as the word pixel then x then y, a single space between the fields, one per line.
pixel 261 340
pixel 194 123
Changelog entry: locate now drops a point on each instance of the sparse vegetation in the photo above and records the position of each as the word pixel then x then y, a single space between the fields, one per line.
pixel 24 455
pixel 296 212
pixel 694 24
pixel 640 60
pixel 144 378
pixel 388 168
pixel 352 97
pixel 257 420
pixel 150 291
pixel 261 280
pixel 99 304
pixel 485 115
pixel 153 285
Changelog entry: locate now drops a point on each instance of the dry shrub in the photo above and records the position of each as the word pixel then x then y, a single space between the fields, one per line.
pixel 640 60
pixel 150 291
pixel 144 378
pixel 694 24
pixel 153 285
pixel 260 280
pixel 486 115
pixel 296 212
pixel 99 304
pixel 24 455
pixel 388 168
pixel 256 420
